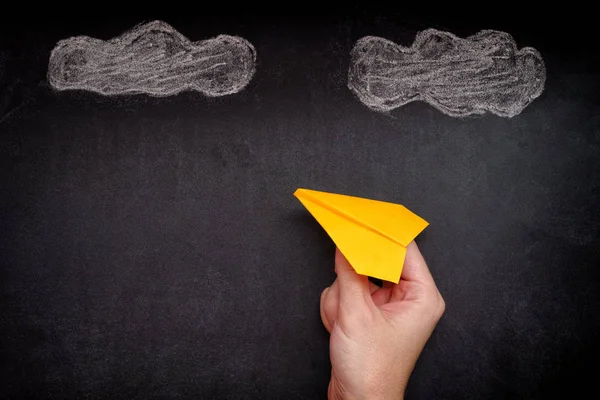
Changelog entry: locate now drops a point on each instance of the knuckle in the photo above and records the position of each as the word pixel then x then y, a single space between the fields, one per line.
pixel 329 308
pixel 436 305
pixel 324 296
pixel 328 304
pixel 441 305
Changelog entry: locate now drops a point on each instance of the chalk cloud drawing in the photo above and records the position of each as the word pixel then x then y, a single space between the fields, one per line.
pixel 481 73
pixel 154 59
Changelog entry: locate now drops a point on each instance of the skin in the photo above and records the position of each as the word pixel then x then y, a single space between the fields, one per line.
pixel 377 334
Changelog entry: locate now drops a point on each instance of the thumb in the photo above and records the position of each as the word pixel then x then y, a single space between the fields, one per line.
pixel 353 288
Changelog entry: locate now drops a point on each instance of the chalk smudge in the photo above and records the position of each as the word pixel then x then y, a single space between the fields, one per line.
pixel 154 59
pixel 460 77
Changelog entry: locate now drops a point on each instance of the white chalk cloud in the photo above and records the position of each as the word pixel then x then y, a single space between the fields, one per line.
pixel 478 74
pixel 154 59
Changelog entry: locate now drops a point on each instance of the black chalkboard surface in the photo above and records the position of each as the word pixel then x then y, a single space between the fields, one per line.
pixel 152 248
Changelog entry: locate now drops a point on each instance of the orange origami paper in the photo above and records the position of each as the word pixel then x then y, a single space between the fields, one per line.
pixel 371 234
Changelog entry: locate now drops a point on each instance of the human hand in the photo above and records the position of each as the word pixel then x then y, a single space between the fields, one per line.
pixel 377 333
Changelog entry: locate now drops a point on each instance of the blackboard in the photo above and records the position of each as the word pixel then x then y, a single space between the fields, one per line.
pixel 152 248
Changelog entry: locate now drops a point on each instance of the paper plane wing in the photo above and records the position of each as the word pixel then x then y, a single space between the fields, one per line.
pixel 371 234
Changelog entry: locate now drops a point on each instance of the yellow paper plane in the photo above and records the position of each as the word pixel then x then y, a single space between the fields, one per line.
pixel 371 234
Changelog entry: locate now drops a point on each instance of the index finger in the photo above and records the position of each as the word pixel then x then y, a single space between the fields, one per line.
pixel 354 288
pixel 415 268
